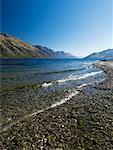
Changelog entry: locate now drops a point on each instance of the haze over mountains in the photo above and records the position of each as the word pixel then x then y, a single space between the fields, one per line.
pixel 12 47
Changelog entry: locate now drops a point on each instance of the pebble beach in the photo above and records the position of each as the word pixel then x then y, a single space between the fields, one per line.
pixel 81 121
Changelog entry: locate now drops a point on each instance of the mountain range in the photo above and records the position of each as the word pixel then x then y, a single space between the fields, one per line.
pixel 104 55
pixel 12 47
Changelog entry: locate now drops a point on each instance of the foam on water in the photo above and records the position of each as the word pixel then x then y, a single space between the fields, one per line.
pixel 72 78
pixel 46 84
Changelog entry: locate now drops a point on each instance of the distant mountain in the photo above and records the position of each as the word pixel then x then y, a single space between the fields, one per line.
pixel 11 47
pixel 62 54
pixel 54 54
pixel 104 55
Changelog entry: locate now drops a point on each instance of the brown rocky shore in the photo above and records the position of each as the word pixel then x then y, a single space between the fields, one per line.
pixel 85 122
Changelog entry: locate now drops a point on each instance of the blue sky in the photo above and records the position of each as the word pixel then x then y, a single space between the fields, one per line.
pixel 76 26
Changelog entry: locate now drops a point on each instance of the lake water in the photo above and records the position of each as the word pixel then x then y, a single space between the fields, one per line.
pixel 38 71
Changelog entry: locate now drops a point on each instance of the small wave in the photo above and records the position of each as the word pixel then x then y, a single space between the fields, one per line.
pixel 9 64
pixel 60 71
pixel 87 63
pixel 82 85
pixel 46 84
pixel 76 77
pixel 72 78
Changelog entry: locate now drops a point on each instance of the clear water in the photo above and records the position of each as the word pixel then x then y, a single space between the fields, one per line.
pixel 28 71
pixel 56 81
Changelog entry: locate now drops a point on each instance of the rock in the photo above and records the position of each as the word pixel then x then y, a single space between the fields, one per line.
pixel 62 126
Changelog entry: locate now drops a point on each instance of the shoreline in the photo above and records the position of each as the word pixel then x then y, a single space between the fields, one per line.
pixel 84 122
pixel 107 67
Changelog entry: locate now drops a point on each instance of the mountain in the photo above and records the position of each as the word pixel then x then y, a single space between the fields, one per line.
pixel 54 54
pixel 62 54
pixel 12 47
pixel 104 55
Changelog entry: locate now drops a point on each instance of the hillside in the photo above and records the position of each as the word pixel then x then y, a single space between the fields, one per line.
pixel 12 47
pixel 104 55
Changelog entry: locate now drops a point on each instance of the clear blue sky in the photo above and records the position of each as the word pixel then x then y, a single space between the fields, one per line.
pixel 76 26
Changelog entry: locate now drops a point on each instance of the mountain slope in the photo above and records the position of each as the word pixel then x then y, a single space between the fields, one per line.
pixel 11 47
pixel 106 54
pixel 62 54
pixel 52 54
